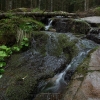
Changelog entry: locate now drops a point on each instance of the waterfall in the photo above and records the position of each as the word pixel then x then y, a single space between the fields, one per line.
pixel 59 81
pixel 49 25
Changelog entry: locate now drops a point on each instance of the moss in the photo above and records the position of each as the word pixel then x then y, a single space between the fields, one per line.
pixel 58 46
pixel 68 47
pixel 41 41
pixel 82 69
pixel 20 10
pixel 9 28
pixel 80 26
pixel 37 10
pixel 97 11
pixel 20 87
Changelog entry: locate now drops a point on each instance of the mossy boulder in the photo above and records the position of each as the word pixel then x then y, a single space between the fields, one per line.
pixel 54 44
pixel 39 41
pixel 71 25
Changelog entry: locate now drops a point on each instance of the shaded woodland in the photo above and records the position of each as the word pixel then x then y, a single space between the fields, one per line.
pixel 50 5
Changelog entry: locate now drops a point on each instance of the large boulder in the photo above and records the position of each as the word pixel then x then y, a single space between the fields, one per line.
pixel 71 25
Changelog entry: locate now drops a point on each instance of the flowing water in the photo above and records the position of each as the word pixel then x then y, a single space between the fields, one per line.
pixel 58 83
pixel 49 25
pixel 60 80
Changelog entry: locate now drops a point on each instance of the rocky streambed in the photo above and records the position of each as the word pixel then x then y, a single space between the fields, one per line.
pixel 49 64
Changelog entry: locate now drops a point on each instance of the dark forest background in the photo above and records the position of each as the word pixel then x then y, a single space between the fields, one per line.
pixel 50 5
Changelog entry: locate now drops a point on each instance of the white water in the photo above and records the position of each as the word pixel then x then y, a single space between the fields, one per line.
pixel 59 79
pixel 48 26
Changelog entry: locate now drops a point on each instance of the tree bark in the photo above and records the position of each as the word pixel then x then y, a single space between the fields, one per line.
pixel 38 14
pixel 86 5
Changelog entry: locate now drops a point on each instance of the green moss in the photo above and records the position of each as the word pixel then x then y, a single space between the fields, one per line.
pixel 77 26
pixel 80 26
pixel 58 45
pixel 41 41
pixel 67 47
pixel 97 11
pixel 20 87
pixel 9 28
pixel 19 10
pixel 82 69
pixel 36 10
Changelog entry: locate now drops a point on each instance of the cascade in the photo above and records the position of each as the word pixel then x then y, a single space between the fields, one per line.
pixel 49 25
pixel 60 80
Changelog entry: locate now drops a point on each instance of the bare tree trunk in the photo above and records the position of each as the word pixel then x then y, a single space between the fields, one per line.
pixel 51 5
pixel 1 5
pixel 86 5
pixel 10 4
pixel 31 3
pixel 39 4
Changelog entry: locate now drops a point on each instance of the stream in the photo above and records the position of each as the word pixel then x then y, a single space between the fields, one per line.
pixel 58 83
pixel 44 71
pixel 60 80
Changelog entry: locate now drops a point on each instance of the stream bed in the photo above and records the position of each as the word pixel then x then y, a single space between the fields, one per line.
pixel 44 69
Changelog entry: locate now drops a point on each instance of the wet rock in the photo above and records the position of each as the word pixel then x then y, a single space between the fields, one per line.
pixel 94 34
pixel 42 61
pixel 71 25
pixel 86 86
pixel 95 60
pixel 92 19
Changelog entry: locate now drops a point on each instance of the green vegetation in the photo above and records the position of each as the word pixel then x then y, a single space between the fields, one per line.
pixel 36 10
pixel 82 69
pixel 55 46
pixel 4 52
pixel 15 32
pixel 12 29
pixel 41 41
pixel 20 87
pixel 66 46
pixel 97 11
pixel 79 26
pixel 7 51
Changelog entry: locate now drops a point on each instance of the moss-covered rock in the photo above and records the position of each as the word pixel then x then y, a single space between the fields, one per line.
pixel 41 41
pixel 71 25
pixel 66 46
pixel 17 27
pixel 20 86
pixel 54 44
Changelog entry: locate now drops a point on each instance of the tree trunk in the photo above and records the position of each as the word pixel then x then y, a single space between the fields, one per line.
pixel 10 4
pixel 86 5
pixel 39 4
pixel 51 5
pixel 31 3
